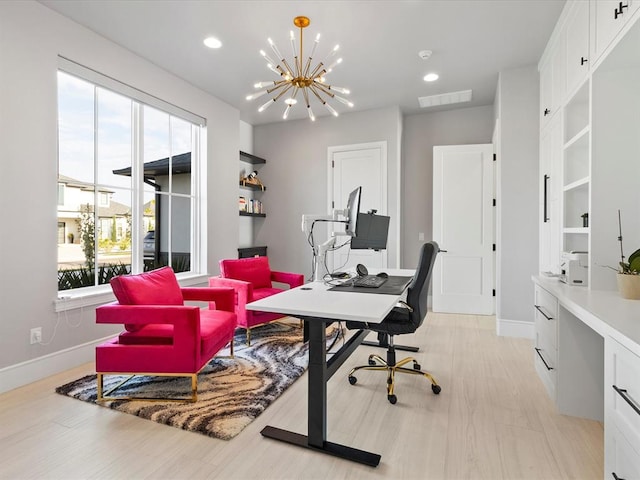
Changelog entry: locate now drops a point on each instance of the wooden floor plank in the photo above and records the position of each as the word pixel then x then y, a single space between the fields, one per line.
pixel 493 420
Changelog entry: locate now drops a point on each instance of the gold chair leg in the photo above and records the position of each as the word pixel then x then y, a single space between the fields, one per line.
pixel 99 381
pixel 248 337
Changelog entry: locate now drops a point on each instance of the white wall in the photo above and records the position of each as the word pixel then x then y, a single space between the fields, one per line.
pixel 31 38
pixel 517 244
pixel 296 177
pixel 421 132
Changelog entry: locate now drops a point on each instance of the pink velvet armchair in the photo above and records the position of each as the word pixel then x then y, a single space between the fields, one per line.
pixel 252 278
pixel 162 335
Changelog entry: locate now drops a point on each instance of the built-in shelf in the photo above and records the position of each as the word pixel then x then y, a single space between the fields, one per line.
pixel 252 159
pixel 577 230
pixel 577 184
pixel 577 137
pixel 251 186
pixel 247 214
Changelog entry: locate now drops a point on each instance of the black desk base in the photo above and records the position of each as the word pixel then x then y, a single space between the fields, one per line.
pixel 335 449
pixel 320 371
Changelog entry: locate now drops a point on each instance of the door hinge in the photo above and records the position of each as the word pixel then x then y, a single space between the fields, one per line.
pixel 333 164
pixel 494 292
pixel 494 202
pixel 494 247
pixel 494 157
pixel 333 204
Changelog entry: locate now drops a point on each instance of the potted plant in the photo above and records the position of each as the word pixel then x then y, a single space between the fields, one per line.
pixel 629 273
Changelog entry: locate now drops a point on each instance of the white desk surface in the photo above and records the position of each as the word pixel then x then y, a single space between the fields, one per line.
pixel 606 312
pixel 315 300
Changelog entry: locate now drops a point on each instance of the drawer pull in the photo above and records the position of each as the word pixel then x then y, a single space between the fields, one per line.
pixel 623 393
pixel 616 476
pixel 543 360
pixel 542 312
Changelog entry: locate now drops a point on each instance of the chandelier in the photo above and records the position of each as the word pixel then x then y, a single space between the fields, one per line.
pixel 301 78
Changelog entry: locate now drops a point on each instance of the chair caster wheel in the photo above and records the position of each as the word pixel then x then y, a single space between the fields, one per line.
pixel 416 366
pixel 352 380
pixel 392 399
pixel 436 389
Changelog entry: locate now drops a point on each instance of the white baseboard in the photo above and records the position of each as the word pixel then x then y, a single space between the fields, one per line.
pixel 514 328
pixel 20 374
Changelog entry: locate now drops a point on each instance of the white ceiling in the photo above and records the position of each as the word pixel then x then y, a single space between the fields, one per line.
pixel 471 40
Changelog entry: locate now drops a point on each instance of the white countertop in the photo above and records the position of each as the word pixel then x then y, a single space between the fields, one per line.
pixel 606 312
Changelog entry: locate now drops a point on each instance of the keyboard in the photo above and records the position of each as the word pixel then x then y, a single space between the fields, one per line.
pixel 369 281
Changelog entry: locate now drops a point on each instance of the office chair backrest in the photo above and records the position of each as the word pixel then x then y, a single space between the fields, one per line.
pixel 418 289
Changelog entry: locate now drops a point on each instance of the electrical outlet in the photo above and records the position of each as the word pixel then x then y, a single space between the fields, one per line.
pixel 36 335
pixel 421 236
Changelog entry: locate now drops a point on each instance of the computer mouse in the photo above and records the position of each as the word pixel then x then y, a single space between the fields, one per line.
pixel 383 275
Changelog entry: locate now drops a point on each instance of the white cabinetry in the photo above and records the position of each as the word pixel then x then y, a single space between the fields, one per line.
pixel 550 188
pixel 546 338
pixel 609 18
pixel 622 404
pixel 552 84
pixel 577 45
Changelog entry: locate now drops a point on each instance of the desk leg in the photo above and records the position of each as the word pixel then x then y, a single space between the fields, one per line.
pixel 317 407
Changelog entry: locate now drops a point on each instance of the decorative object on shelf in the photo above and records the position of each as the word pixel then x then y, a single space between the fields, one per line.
pixel 252 179
pixel 311 81
pixel 585 219
pixel 628 276
pixel 242 204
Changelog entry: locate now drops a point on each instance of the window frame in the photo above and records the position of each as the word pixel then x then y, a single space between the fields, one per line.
pixel 78 297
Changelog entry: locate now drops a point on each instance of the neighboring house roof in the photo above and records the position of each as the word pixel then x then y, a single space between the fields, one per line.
pixel 179 164
pixel 114 209
pixel 72 182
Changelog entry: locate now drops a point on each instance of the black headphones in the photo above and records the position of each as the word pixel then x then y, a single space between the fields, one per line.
pixel 362 270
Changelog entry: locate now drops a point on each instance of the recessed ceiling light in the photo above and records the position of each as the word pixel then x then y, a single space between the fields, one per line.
pixel 212 42
pixel 431 77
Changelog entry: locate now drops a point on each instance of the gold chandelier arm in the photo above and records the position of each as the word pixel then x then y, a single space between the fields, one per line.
pixel 313 89
pixel 287 88
pixel 279 84
pixel 324 88
pixel 289 69
pixel 305 94
pixel 307 67
pixel 315 73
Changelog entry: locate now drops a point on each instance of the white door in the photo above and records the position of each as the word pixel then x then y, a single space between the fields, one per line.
pixel 463 276
pixel 351 166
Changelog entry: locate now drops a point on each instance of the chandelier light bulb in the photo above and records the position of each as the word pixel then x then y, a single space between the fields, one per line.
pixel 344 100
pixel 266 105
pixel 344 91
pixel 331 109
pixel 300 73
pixel 253 96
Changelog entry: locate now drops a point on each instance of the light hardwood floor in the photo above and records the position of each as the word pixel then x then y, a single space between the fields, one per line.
pixel 493 420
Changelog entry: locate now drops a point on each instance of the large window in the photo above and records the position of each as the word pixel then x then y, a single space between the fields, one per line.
pixel 128 183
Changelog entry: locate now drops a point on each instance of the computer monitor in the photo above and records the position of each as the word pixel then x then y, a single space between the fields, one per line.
pixel 372 232
pixel 353 208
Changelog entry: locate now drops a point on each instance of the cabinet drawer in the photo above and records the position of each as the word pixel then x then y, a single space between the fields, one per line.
pixel 546 319
pixel 621 461
pixel 622 390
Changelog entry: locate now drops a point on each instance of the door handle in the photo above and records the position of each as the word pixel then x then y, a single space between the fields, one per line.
pixel 545 215
pixel 443 251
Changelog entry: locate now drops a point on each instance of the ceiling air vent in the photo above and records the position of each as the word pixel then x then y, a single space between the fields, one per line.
pixel 445 99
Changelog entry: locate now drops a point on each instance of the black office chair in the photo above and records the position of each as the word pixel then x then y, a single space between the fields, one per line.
pixel 405 318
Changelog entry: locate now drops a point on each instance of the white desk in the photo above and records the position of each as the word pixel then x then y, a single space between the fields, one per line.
pixel 318 306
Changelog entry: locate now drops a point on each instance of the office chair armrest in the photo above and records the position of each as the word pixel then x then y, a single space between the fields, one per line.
pixel 406 305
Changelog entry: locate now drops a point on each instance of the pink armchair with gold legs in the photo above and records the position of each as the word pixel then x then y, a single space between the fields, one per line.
pixel 252 278
pixel 162 335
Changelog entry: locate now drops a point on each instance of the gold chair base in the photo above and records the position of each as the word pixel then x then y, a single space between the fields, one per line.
pixel 381 364
pixel 105 396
